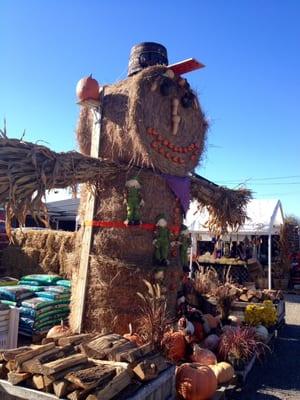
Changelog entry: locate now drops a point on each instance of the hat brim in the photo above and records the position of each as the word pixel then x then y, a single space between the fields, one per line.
pixel 185 66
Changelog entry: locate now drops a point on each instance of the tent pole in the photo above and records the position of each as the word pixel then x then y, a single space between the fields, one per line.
pixel 191 253
pixel 269 261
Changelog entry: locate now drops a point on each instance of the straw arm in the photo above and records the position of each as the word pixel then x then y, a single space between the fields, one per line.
pixel 28 170
pixel 226 207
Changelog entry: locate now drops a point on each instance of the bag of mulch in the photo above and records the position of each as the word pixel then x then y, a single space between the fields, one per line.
pixel 9 303
pixel 57 289
pixel 27 312
pixel 33 288
pixel 33 284
pixel 38 303
pixel 14 293
pixel 8 281
pixel 53 296
pixel 59 313
pixel 42 279
pixel 64 282
pixel 48 324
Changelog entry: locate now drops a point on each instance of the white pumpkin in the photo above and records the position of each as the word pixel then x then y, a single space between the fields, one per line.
pixel 262 333
pixel 223 371
pixel 211 342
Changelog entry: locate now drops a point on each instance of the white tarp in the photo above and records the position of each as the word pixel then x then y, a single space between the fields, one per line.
pixel 265 217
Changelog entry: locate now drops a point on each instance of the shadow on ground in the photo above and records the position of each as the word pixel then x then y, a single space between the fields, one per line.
pixel 279 373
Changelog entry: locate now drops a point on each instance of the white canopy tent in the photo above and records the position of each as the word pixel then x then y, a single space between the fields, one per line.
pixel 265 217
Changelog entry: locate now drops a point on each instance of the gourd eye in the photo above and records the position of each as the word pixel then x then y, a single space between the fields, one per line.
pixel 187 100
pixel 167 87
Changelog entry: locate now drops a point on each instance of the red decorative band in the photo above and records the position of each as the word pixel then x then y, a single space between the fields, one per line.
pixel 120 224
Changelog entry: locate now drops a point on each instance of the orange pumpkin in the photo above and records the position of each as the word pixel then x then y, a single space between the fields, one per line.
pixel 174 345
pixel 87 88
pixel 195 382
pixel 133 337
pixel 203 356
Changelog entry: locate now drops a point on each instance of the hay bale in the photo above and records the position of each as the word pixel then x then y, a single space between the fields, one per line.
pixel 35 251
pixel 121 258
pixel 111 299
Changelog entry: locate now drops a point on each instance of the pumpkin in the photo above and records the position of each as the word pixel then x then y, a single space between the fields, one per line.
pixel 262 333
pixel 199 332
pixel 223 371
pixel 236 321
pixel 212 321
pixel 133 337
pixel 211 342
pixel 87 88
pixel 195 382
pixel 203 356
pixel 58 331
pixel 174 345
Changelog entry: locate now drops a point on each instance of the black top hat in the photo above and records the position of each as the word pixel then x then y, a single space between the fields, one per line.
pixel 146 54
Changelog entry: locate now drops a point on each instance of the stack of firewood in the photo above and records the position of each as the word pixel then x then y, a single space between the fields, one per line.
pixel 246 294
pixel 83 366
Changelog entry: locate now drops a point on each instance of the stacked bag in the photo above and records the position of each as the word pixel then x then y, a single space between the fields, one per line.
pixel 43 301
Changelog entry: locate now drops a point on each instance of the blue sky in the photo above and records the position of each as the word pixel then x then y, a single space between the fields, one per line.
pixel 250 88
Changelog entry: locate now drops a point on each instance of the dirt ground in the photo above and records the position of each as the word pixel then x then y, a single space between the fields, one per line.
pixel 279 376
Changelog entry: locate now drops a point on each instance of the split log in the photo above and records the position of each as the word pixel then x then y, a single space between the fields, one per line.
pixel 135 354
pixel 63 387
pixel 16 377
pixel 11 354
pixel 113 388
pixel 11 365
pixel 150 367
pixel 35 364
pixel 75 339
pixel 27 355
pixel 243 297
pixel 61 374
pixel 78 394
pixel 91 377
pixel 116 351
pixel 38 382
pixel 63 363
pixel 102 346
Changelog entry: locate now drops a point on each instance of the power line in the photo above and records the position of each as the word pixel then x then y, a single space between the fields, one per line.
pixel 259 179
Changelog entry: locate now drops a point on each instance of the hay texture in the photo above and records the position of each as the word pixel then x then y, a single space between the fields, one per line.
pixel 40 252
pixel 131 109
pixel 138 138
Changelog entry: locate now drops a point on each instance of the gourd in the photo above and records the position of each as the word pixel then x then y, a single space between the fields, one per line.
pixel 195 382
pixel 58 331
pixel 223 371
pixel 174 345
pixel 87 89
pixel 203 356
pixel 212 321
pixel 133 337
pixel 262 333
pixel 211 342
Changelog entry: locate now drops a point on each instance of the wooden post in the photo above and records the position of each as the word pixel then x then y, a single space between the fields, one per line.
pixel 80 289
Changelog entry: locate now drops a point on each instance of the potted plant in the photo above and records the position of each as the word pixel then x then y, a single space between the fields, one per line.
pixel 239 344
pixel 224 299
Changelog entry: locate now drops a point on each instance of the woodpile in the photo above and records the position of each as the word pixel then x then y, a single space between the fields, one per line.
pixel 84 366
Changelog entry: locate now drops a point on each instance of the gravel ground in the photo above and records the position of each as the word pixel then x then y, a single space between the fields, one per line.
pixel 279 376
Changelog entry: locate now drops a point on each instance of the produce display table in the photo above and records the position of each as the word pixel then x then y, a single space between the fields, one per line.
pixel 238 269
